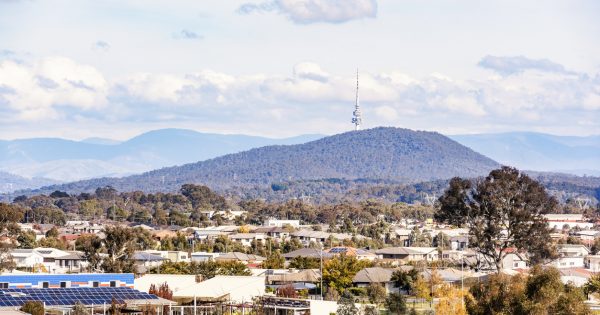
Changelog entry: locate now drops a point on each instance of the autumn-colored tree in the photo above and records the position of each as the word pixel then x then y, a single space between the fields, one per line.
pixel 162 291
pixel 376 293
pixel 451 301
pixel 33 308
pixel 286 291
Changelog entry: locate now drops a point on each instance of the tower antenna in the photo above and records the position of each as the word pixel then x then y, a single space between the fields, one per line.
pixel 357 114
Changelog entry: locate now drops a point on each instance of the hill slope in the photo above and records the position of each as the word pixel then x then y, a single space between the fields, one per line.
pixel 66 160
pixel 539 152
pixel 399 155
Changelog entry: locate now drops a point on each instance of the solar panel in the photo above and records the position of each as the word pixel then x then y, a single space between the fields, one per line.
pixel 69 296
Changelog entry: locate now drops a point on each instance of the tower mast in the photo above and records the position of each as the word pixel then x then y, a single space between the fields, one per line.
pixel 357 114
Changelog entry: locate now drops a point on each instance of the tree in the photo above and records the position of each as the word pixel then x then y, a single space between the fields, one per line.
pixel 339 271
pixel 120 245
pixel 286 291
pixel 506 201
pixel 346 305
pixel 592 285
pixel 370 310
pixel 541 293
pixel 376 293
pixel 405 279
pixel 162 291
pixel 6 259
pixel 451 301
pixel 274 261
pixel 79 309
pixel 90 245
pixel 33 308
pixel 304 262
pixel 396 303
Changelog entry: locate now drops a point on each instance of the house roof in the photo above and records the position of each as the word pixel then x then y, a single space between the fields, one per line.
pixel 307 275
pixel 405 250
pixel 240 257
pixel 307 252
pixel 143 256
pixel 374 275
pixel 350 251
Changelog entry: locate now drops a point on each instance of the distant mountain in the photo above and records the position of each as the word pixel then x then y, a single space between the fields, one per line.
pixel 10 182
pixel 393 154
pixel 538 151
pixel 66 160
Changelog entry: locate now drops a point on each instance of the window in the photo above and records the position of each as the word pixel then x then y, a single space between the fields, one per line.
pixel 516 265
pixel 45 284
pixel 3 285
pixel 113 283
pixel 572 263
pixel 65 284
pixel 95 284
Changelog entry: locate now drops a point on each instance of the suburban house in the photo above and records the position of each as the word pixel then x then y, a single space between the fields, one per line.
pixel 241 257
pixel 406 254
pixel 307 252
pixel 274 232
pixel 360 254
pixel 592 262
pixel 377 275
pixel 281 223
pixel 172 255
pixel 570 256
pixel 203 256
pixel 568 221
pixel 587 236
pixel 27 258
pixel 246 239
pixel 146 261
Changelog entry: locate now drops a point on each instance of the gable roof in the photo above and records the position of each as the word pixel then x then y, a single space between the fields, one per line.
pixel 374 275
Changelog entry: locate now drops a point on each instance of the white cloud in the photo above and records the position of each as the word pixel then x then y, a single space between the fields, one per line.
pixel 313 11
pixel 62 90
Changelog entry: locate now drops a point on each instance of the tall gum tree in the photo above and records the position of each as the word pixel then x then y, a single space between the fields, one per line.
pixel 503 212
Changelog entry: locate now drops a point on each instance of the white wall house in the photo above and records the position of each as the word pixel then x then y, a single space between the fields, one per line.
pixel 281 223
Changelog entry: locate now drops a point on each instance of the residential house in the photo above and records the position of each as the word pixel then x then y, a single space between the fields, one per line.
pixel 27 258
pixel 406 254
pixel 246 239
pixel 145 261
pixel 460 242
pixel 360 254
pixel 171 255
pixel 568 221
pixel 592 262
pixel 281 223
pixel 241 257
pixel 203 256
pixel 274 232
pixel 307 252
pixel 587 236
pixel 570 256
pixel 375 275
pixel 73 261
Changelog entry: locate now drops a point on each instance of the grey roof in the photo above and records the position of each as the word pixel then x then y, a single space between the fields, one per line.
pixel 143 256
pixel 240 256
pixel 399 251
pixel 307 252
pixel 374 275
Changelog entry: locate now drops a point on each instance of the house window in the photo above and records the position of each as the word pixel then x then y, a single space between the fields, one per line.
pixel 113 283
pixel 516 265
pixel 572 263
pixel 3 285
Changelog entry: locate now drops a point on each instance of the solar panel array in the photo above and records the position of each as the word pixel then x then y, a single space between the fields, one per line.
pixel 70 296
pixel 338 250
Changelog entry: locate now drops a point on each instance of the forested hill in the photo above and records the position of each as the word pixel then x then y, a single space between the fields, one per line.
pixel 400 155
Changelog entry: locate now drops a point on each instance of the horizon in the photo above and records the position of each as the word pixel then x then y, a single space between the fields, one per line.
pixel 121 140
pixel 117 69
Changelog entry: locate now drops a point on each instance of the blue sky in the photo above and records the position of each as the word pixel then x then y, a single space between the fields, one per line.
pixel 278 68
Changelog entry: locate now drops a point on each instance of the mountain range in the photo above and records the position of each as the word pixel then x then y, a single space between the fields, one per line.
pixel 538 151
pixel 67 160
pixel 398 155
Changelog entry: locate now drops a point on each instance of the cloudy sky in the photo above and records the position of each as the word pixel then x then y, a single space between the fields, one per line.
pixel 115 68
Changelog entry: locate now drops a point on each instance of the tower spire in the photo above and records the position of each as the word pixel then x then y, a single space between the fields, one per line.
pixel 357 114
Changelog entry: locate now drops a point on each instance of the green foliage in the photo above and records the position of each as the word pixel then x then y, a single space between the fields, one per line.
pixel 395 303
pixel 376 293
pixel 33 308
pixel 206 269
pixel 339 271
pixel 405 280
pixel 346 305
pixel 79 309
pixel 303 262
pixel 541 293
pixel 274 261
pixel 505 200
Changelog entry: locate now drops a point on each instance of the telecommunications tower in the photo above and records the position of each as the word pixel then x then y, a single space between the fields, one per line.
pixel 357 114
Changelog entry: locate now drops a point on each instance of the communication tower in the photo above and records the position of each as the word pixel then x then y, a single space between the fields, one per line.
pixel 357 114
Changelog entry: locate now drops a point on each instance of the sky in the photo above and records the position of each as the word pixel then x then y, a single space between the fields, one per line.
pixel 279 68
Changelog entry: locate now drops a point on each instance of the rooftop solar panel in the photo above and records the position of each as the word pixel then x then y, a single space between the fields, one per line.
pixel 68 296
